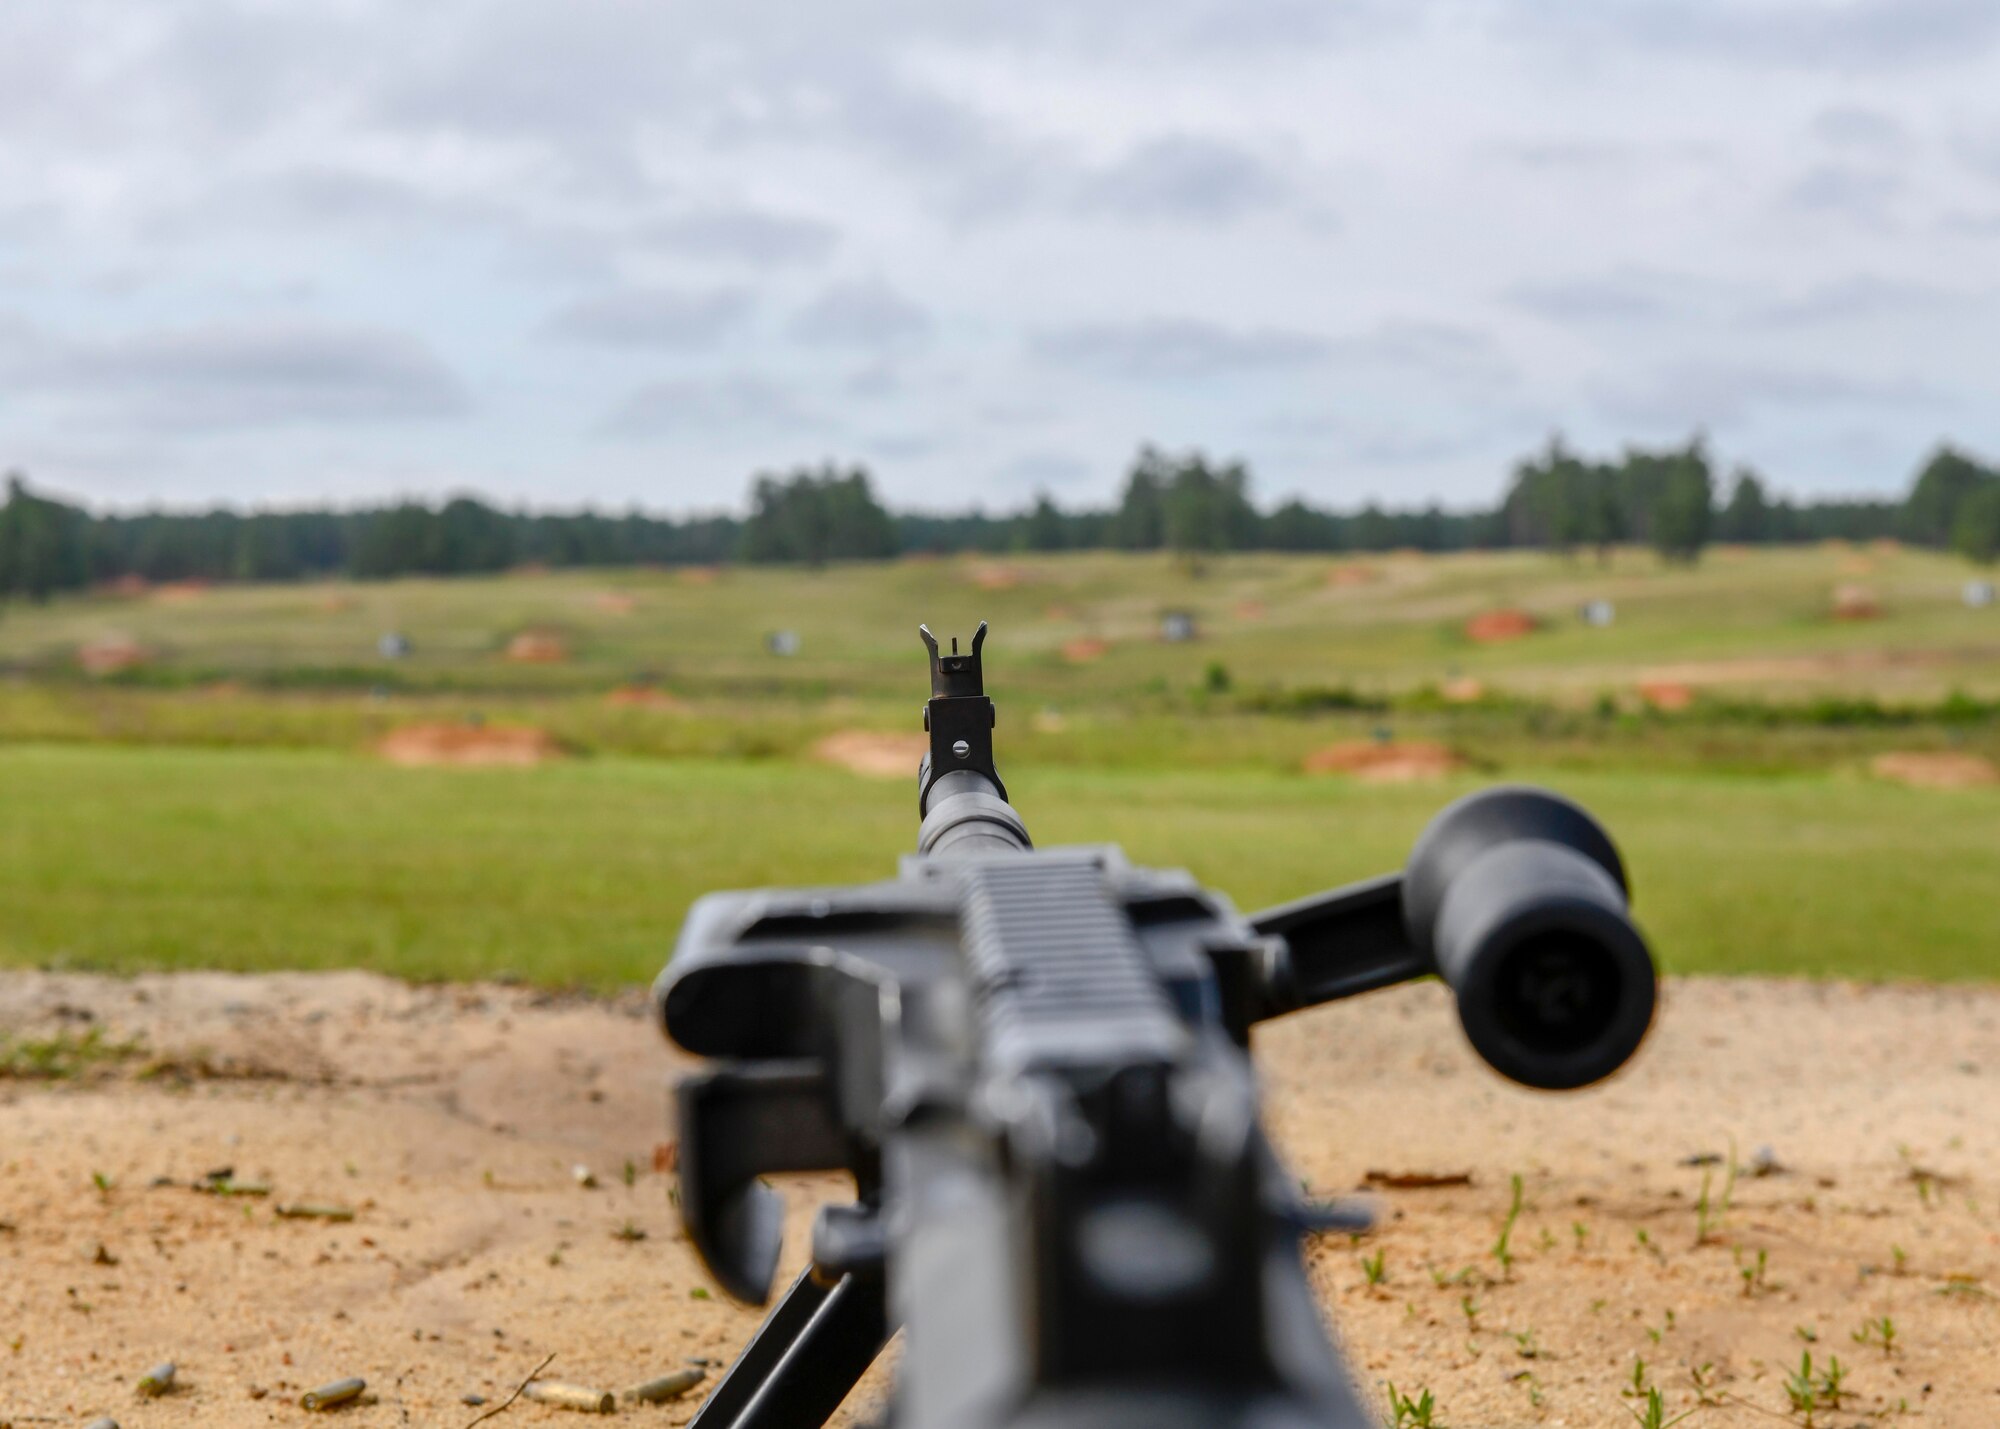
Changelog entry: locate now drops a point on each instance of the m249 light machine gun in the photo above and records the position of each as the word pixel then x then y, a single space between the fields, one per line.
pixel 1034 1063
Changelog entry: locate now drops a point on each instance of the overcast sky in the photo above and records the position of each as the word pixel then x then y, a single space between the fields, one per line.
pixel 567 250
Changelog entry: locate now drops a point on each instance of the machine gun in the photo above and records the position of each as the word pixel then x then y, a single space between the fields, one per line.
pixel 1035 1065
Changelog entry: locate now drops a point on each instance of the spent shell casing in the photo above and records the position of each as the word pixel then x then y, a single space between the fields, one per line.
pixel 329 1396
pixel 107 1422
pixel 157 1380
pixel 305 1212
pixel 570 1396
pixel 667 1386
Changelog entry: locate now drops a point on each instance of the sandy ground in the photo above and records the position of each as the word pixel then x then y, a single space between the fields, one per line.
pixel 450 1120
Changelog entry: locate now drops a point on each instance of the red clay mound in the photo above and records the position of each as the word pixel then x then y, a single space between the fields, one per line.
pixel 179 592
pixel 537 647
pixel 333 604
pixel 469 744
pixel 1463 690
pixel 1347 577
pixel 615 602
pixel 126 586
pixel 699 575
pixel 1394 762
pixel 1084 649
pixel 1941 769
pixel 108 654
pixel 1669 695
pixel 643 697
pixel 1249 610
pixel 1491 627
pixel 988 576
pixel 873 753
pixel 1855 602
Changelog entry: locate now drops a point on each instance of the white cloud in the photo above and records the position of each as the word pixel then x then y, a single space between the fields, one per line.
pixel 638 317
pixel 684 407
pixel 234 375
pixel 1175 349
pixel 870 316
pixel 251 239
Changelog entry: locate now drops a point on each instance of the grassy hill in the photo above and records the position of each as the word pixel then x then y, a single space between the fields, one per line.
pixel 216 802
pixel 1381 624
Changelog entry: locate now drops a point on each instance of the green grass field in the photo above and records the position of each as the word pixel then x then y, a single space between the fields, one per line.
pixel 218 806
pixel 1270 619
pixel 131 859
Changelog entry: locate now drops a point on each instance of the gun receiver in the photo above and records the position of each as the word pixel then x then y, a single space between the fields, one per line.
pixel 1034 1065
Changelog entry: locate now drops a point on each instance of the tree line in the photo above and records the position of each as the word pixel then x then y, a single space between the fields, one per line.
pixel 1184 502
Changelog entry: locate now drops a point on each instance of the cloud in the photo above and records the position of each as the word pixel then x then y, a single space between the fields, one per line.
pixel 684 406
pixel 1623 297
pixel 239 375
pixel 1972 224
pixel 896 446
pixel 1693 395
pixel 652 317
pixel 866 315
pixel 317 196
pixel 1176 348
pixel 1048 471
pixel 1979 150
pixel 1852 126
pixel 1186 177
pixel 1079 215
pixel 757 238
pixel 1846 35
pixel 1854 191
pixel 1859 298
pixel 1439 352
pixel 1568 155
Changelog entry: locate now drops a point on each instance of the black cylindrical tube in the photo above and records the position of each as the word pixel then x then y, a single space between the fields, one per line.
pixel 968 818
pixel 1519 898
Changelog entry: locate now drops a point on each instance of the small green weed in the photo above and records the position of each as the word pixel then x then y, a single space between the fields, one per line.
pixel 62 1057
pixel 1752 1273
pixel 1880 1331
pixel 1711 1208
pixel 1807 1391
pixel 1502 1247
pixel 1638 1387
pixel 1406 1412
pixel 1652 1412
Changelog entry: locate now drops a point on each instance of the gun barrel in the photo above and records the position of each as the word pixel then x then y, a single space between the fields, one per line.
pixel 968 817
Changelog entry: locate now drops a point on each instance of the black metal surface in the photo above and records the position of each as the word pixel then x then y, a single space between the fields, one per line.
pixel 959 717
pixel 804 1359
pixel 1034 1063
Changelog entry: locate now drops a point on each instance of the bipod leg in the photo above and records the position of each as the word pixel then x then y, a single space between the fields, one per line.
pixel 809 1352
